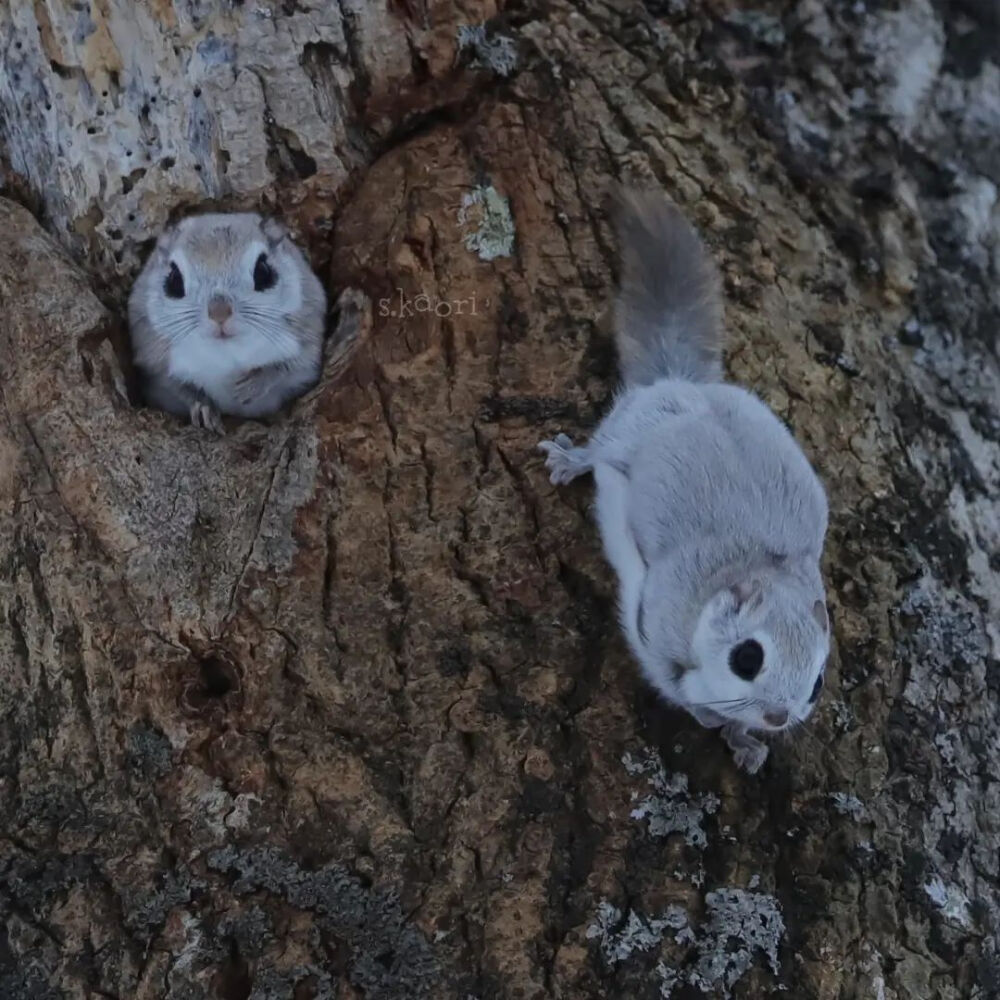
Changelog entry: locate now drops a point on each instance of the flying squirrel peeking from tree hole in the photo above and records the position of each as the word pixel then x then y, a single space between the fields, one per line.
pixel 709 511
pixel 226 317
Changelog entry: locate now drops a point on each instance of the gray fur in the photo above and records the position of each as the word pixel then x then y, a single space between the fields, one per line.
pixel 708 509
pixel 668 315
pixel 273 348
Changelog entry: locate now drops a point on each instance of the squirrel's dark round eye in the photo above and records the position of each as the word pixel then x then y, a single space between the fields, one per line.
pixel 264 276
pixel 817 687
pixel 173 286
pixel 746 659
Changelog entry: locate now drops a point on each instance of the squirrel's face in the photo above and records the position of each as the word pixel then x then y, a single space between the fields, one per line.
pixel 230 285
pixel 760 651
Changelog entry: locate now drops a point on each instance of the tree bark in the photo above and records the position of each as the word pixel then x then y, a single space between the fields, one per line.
pixel 336 706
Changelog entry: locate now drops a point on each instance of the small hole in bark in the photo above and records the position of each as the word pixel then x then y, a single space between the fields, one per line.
pixel 211 682
pixel 305 165
pixel 129 182
pixel 197 91
pixel 233 980
pixel 217 677
pixel 88 369
pixel 306 990
pixel 167 162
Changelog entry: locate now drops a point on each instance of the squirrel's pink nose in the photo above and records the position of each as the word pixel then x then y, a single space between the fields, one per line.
pixel 219 309
pixel 776 718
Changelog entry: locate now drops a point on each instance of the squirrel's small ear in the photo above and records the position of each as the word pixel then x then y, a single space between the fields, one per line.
pixel 164 246
pixel 747 594
pixel 821 616
pixel 274 231
pixel 165 241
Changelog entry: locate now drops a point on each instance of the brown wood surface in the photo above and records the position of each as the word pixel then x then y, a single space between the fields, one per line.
pixel 336 706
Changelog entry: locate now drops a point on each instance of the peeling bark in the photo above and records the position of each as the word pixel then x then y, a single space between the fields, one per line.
pixel 336 706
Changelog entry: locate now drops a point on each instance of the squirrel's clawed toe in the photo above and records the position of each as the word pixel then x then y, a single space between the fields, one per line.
pixel 750 759
pixel 563 460
pixel 748 751
pixel 207 416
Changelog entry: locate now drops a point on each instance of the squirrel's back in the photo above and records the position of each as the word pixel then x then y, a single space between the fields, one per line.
pixel 668 313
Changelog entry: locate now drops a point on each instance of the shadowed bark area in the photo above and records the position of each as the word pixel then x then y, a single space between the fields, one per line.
pixel 336 706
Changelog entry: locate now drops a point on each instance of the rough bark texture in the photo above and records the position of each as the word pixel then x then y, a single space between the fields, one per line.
pixel 336 707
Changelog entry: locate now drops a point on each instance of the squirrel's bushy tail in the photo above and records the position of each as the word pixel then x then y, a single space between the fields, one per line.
pixel 668 314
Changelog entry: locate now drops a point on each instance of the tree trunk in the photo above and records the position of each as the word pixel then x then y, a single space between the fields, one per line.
pixel 337 706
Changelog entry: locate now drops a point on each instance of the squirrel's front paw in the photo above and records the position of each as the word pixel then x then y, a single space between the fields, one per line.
pixel 207 416
pixel 564 461
pixel 351 300
pixel 751 759
pixel 748 752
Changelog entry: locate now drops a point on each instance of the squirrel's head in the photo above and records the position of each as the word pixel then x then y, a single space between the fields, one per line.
pixel 231 283
pixel 759 650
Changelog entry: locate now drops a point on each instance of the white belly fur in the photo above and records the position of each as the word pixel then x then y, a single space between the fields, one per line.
pixel 214 365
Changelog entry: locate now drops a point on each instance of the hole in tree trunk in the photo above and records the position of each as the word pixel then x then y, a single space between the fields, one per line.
pixel 212 682
pixel 233 980
pixel 217 677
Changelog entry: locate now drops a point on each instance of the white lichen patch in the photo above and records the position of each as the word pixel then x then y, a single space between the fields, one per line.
pixel 740 924
pixel 489 211
pixel 843 716
pixel 695 877
pixel 498 53
pixel 849 805
pixel 947 633
pixel 950 900
pixel 764 28
pixel 667 978
pixel 871 966
pixel 206 802
pixel 949 747
pixel 619 936
pixel 214 812
pixel 238 818
pixel 190 951
pixel 908 50
pixel 804 134
pixel 976 203
pixel 672 808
